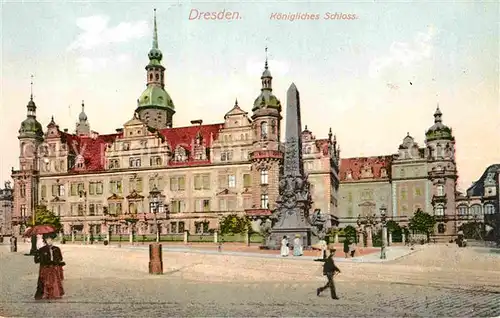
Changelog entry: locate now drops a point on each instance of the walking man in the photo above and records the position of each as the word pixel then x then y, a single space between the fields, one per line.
pixel 329 270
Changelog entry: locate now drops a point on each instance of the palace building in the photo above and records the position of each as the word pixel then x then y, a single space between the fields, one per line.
pixel 97 182
pixel 413 178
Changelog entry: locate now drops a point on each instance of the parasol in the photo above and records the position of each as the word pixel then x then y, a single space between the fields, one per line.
pixel 39 229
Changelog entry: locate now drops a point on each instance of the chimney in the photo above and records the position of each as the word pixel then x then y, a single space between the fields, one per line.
pixel 65 130
pixel 119 130
pixel 197 122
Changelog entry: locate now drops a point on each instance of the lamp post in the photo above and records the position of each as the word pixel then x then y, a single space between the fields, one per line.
pixel 154 206
pixel 83 195
pixel 155 251
pixel 383 219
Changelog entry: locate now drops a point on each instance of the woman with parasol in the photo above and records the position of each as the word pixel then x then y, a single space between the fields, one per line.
pixel 50 275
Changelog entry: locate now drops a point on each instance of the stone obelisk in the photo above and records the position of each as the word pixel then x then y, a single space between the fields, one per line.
pixel 294 201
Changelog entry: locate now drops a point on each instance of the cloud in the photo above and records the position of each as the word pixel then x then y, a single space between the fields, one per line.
pixel 404 54
pixel 86 65
pixel 96 32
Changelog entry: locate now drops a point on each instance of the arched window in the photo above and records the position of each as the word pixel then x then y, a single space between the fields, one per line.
pixel 489 209
pixel 441 228
pixel 476 209
pixel 462 210
pixel 439 210
pixel 157 76
pixel 263 130
pixel 150 76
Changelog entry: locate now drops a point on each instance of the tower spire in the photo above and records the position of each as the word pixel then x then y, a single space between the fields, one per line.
pixel 155 32
pixel 31 88
pixel 265 64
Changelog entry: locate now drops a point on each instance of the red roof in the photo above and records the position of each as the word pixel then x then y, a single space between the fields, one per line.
pixel 93 150
pixel 373 165
pixel 186 137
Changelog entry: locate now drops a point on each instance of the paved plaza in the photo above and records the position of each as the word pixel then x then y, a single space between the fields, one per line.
pixel 114 282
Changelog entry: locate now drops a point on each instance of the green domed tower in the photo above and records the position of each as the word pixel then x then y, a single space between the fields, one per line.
pixel 154 106
pixel 266 154
pixel 30 127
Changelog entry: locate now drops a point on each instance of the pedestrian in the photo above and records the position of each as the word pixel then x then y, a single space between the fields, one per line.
pixel 297 246
pixel 329 270
pixel 50 275
pixel 285 250
pixel 347 242
pixel 352 249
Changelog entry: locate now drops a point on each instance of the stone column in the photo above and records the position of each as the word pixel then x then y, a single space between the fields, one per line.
pixel 186 237
pixel 216 239
pixel 389 243
pixel 369 239
pixel 336 240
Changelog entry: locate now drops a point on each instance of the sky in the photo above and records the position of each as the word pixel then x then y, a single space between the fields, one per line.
pixel 372 79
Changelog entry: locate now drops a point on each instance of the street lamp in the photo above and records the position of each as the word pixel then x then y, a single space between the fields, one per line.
pixel 383 219
pixel 83 195
pixel 154 206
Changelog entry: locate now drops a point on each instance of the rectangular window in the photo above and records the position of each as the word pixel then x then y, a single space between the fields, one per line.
pixel 231 181
pixel 264 201
pixel 138 185
pixel 247 181
pixel 264 177
pixel 115 186
pixel 74 189
pixel 80 210
pixel 55 191
pixel 92 186
pixel 173 227
pixel 181 227
pixel 178 206
pixel 418 192
pixel 81 188
pixel 91 209
pixel 23 210
pixel 43 192
pixel 99 188
pixel 202 182
pixel 177 183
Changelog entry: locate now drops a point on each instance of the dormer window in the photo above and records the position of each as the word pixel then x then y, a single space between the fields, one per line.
pixel 226 155
pixel 180 154
pixel 348 175
pixel 383 172
pixel 114 164
pixel 126 145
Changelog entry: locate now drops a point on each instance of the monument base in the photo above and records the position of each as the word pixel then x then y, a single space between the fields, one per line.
pixel 274 240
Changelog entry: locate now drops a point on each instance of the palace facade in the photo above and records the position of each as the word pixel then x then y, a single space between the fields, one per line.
pixel 413 178
pixel 105 183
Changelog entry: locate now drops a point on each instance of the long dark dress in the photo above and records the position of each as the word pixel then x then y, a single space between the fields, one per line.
pixel 50 275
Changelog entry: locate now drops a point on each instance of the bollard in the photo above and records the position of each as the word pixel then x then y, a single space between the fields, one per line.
pixel 155 259
pixel 13 244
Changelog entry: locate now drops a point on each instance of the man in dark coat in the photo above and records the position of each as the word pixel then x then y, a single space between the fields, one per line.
pixel 329 270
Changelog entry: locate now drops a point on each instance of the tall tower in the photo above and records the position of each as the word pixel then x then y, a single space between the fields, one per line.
pixel 266 155
pixel 154 106
pixel 442 172
pixel 83 126
pixel 26 178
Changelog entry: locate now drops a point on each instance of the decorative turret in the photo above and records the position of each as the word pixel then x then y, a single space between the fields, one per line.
pixel 439 130
pixel 83 126
pixel 155 107
pixel 30 127
pixel 266 99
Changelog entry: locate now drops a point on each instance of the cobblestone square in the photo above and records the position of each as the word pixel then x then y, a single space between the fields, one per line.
pixel 103 281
